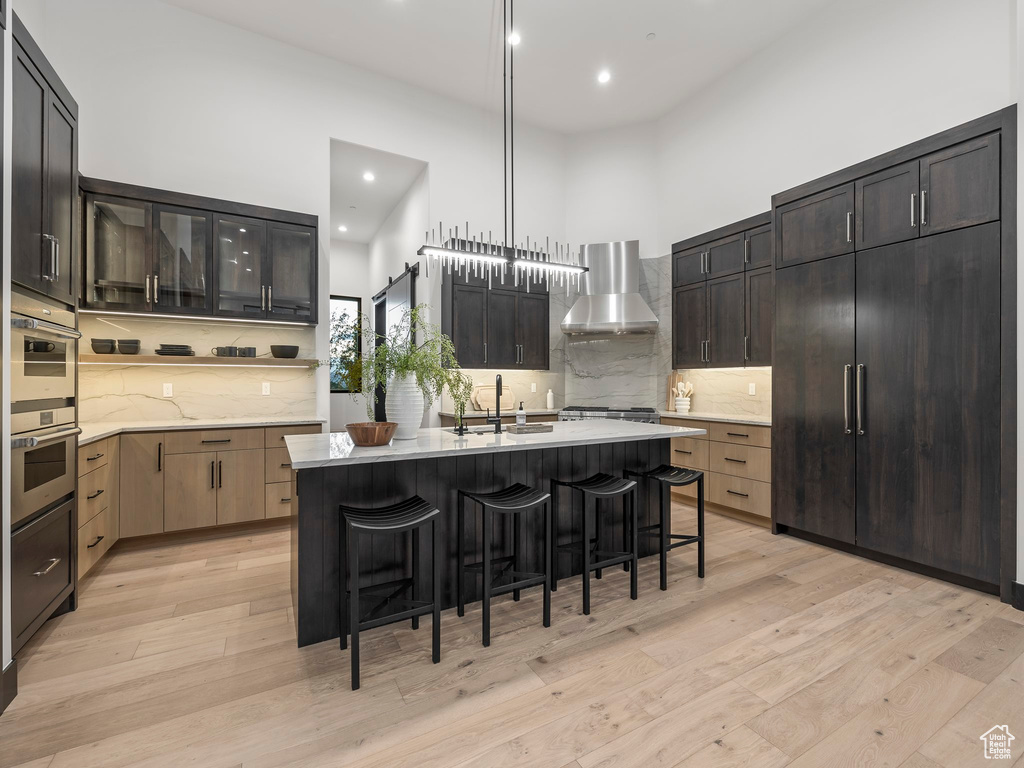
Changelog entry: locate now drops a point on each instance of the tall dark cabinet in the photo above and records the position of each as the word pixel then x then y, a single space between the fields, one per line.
pixel 44 174
pixel 891 425
pixel 722 297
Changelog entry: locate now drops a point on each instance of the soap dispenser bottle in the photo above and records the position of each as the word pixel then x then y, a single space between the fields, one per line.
pixel 521 416
pixel 551 400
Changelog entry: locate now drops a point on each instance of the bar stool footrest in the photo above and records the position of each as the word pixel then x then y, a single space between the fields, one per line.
pixel 414 608
pixel 521 581
pixel 494 561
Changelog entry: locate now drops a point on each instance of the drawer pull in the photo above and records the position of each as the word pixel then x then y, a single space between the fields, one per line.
pixel 737 434
pixel 206 442
pixel 93 458
pixel 285 466
pixel 98 540
pixel 736 461
pixel 680 450
pixel 52 564
pixel 95 495
pixel 285 501
pixel 737 493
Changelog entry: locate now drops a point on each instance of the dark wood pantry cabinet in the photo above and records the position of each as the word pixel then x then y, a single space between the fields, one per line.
pixel 149 250
pixel 44 173
pixel 893 419
pixel 715 277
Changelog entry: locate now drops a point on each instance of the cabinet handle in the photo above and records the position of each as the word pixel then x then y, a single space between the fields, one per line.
pixel 860 399
pixel 47 269
pixel 49 567
pixel 680 450
pixel 735 461
pixel 94 495
pixel 285 501
pixel 263 298
pixel 156 289
pixel 924 207
pixel 225 440
pixel 737 493
pixel 159 457
pixel 220 474
pixel 485 353
pixel 846 399
pixel 746 251
pixel 849 226
pixel 148 297
pixel 213 483
pixel 270 298
pixel 93 458
pixel 98 540
pixel 913 209
pixel 56 258
pixel 746 348
pixel 285 466
pixel 736 434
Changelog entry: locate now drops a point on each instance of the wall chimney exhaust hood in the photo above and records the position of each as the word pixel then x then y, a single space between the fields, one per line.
pixel 610 301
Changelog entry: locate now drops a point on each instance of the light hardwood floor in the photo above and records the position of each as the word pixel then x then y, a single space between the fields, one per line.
pixel 183 653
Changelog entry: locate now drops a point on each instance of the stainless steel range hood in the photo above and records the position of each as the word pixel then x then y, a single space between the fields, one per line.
pixel 610 301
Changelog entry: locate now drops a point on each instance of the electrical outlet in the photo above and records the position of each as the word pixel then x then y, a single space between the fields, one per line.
pixel 752 389
pixel 168 390
pixel 533 386
pixel 266 387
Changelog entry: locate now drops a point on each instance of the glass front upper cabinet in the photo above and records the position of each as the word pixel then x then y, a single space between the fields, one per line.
pixel 239 248
pixel 292 285
pixel 181 251
pixel 118 263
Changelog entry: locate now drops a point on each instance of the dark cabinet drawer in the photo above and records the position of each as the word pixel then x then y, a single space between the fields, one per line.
pixel 688 267
pixel 725 257
pixel 887 206
pixel 815 227
pixel 41 572
pixel 960 186
pixel 759 247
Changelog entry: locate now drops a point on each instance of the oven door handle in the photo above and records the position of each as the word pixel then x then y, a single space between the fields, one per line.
pixel 31 323
pixel 32 442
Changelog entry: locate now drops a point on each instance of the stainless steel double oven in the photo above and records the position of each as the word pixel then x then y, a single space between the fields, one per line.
pixel 44 422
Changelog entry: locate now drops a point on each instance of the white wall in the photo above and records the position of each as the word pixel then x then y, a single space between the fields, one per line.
pixel 350 276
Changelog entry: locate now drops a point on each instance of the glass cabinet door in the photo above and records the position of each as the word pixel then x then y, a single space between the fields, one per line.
pixel 292 272
pixel 181 251
pixel 239 246
pixel 118 266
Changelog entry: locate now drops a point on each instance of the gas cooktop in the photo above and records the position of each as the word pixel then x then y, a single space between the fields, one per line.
pixel 632 413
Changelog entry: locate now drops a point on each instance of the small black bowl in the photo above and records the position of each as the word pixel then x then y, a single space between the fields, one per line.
pixel 128 346
pixel 103 346
pixel 284 350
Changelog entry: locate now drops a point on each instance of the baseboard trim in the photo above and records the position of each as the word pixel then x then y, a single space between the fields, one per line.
pixel 8 685
pixel 1017 596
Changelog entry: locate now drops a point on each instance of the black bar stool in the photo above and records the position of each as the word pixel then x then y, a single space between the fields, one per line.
pixel 409 515
pixel 669 477
pixel 512 500
pixel 594 488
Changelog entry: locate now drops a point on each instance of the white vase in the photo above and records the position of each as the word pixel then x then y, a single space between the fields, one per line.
pixel 682 405
pixel 404 405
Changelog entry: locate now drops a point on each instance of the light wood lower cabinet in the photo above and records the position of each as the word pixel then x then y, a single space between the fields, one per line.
pixel 142 483
pixel 190 491
pixel 98 523
pixel 279 499
pixel 240 493
pixel 278 465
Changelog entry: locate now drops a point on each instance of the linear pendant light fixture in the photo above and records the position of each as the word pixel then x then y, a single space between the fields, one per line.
pixel 468 255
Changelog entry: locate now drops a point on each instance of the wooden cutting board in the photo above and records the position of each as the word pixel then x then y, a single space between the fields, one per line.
pixel 486 394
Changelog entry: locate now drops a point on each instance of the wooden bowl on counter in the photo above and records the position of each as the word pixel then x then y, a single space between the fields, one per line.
pixel 371 433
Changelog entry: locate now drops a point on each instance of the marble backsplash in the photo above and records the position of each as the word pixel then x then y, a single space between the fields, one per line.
pixel 124 392
pixel 726 391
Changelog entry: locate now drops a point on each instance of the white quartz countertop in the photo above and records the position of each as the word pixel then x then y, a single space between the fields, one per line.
pixel 504 412
pixel 336 449
pixel 100 429
pixel 755 421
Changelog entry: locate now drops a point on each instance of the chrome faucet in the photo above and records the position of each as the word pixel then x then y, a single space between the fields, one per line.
pixel 496 419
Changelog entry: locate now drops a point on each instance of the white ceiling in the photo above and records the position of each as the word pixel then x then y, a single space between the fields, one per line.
pixel 360 205
pixel 451 47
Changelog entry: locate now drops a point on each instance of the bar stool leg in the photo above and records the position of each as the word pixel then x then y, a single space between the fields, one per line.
pixel 436 624
pixel 597 532
pixel 547 564
pixel 663 526
pixel 586 555
pixel 634 535
pixel 516 548
pixel 487 578
pixel 625 532
pixel 554 537
pixel 460 573
pixel 415 571
pixel 343 597
pixel 700 527
pixel 353 558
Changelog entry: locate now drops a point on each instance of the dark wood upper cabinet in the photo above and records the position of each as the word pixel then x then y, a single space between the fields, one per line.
pixel 725 257
pixel 888 206
pixel 44 176
pixel 759 305
pixel 759 247
pixel 688 267
pixel 118 254
pixel 813 445
pixel 689 326
pixel 291 272
pixel 468 324
pixel 726 322
pixel 960 186
pixel 533 331
pixel 928 459
pixel 182 244
pixel 239 266
pixel 815 227
pixel 501 349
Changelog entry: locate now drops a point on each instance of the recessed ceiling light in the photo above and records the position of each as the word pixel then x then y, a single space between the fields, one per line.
pixel 604 76
pixel 651 36
pixel 245 253
pixel 241 230
pixel 368 176
pixel 343 228
pixel 514 38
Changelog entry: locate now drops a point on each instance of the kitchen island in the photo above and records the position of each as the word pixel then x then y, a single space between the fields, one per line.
pixel 330 471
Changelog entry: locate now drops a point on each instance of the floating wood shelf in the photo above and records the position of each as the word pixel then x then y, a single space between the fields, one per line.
pixel 254 362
